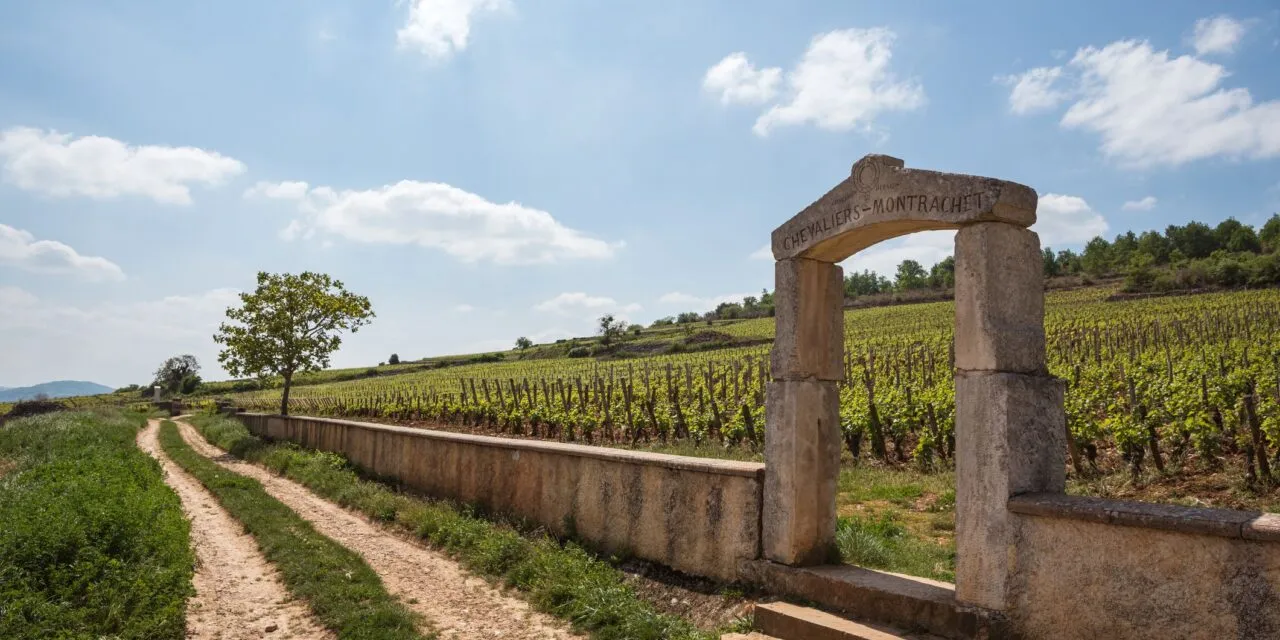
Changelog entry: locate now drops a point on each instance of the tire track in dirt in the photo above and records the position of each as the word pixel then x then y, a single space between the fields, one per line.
pixel 458 604
pixel 239 594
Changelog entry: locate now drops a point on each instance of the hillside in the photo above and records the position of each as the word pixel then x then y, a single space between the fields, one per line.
pixel 55 389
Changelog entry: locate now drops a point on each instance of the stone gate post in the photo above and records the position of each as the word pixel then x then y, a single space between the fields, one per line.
pixel 802 404
pixel 1010 422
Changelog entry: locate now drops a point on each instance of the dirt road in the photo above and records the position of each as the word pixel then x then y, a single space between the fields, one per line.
pixel 238 593
pixel 458 604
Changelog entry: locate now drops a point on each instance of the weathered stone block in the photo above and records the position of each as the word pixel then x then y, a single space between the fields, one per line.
pixel 809 308
pixel 802 447
pixel 999 299
pixel 1010 439
pixel 881 200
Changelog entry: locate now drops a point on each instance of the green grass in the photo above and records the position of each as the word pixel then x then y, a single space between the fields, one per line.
pixel 885 543
pixel 93 544
pixel 561 579
pixel 343 592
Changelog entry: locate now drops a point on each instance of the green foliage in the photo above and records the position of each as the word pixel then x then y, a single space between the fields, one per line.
pixel 93 544
pixel 523 343
pixel 884 543
pixel 178 374
pixel 344 593
pixel 290 324
pixel 561 579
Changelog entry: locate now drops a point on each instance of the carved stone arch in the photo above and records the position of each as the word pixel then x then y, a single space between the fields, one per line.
pixel 1010 424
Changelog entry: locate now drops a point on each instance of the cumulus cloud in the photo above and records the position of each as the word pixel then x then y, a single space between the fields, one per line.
pixel 438 29
pixel 20 249
pixel 737 81
pixel 926 247
pixel 1146 204
pixel 1067 220
pixel 1034 90
pixel 112 343
pixel 577 303
pixel 842 83
pixel 437 216
pixel 1152 108
pixel 1219 34
pixel 763 253
pixel 463 308
pixel 59 164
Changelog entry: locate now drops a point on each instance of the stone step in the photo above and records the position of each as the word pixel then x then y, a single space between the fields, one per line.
pixel 791 622
pixel 904 602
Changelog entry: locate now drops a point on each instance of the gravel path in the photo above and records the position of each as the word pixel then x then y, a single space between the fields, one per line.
pixel 238 593
pixel 458 604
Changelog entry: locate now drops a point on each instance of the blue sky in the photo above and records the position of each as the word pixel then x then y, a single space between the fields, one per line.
pixel 486 169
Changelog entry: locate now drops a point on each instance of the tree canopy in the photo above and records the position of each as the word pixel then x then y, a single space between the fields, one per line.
pixel 178 374
pixel 288 325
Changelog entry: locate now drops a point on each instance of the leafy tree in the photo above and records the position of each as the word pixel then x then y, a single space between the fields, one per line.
pixel 865 283
pixel 523 343
pixel 688 317
pixel 1194 239
pixel 394 359
pixel 911 276
pixel 1235 236
pixel 611 328
pixel 1270 233
pixel 178 374
pixel 289 325
pixel 1050 260
pixel 1068 262
pixel 1155 245
pixel 1096 259
pixel 943 274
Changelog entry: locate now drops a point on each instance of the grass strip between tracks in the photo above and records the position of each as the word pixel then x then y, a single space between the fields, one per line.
pixel 561 579
pixel 344 593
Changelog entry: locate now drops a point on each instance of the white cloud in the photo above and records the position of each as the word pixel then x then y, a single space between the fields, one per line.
pixel 688 302
pixel 1151 108
pixel 925 247
pixel 842 83
pixel 438 216
pixel 98 167
pixel 439 28
pixel 20 249
pixel 1146 204
pixel 763 253
pixel 738 81
pixel 1033 90
pixel 1219 34
pixel 288 190
pixel 1067 220
pixel 577 303
pixel 114 343
pixel 463 308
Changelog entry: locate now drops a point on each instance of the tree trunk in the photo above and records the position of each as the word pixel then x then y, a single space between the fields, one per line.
pixel 284 395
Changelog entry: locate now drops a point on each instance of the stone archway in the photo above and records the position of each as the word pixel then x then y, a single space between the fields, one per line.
pixel 1010 425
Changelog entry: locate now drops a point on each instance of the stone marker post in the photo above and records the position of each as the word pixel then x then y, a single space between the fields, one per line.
pixel 1010 425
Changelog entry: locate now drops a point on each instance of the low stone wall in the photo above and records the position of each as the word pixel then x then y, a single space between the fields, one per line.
pixel 696 515
pixel 1091 568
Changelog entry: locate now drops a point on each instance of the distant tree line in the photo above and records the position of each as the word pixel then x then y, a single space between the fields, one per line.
pixel 1190 256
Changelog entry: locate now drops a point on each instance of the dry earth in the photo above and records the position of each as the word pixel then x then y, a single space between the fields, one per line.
pixel 458 604
pixel 238 593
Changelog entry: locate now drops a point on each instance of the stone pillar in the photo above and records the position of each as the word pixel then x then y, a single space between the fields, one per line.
pixel 1010 421
pixel 802 413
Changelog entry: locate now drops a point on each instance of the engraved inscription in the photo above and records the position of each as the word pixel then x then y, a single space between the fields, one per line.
pixel 879 206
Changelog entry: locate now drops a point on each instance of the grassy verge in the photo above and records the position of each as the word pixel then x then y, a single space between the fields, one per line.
pixel 343 592
pixel 92 542
pixel 563 580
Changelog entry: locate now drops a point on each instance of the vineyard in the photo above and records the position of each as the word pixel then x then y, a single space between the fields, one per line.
pixel 1156 383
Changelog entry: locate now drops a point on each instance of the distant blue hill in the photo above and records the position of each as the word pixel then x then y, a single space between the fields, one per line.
pixel 56 389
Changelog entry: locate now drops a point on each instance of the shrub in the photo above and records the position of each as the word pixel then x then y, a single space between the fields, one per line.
pixel 579 352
